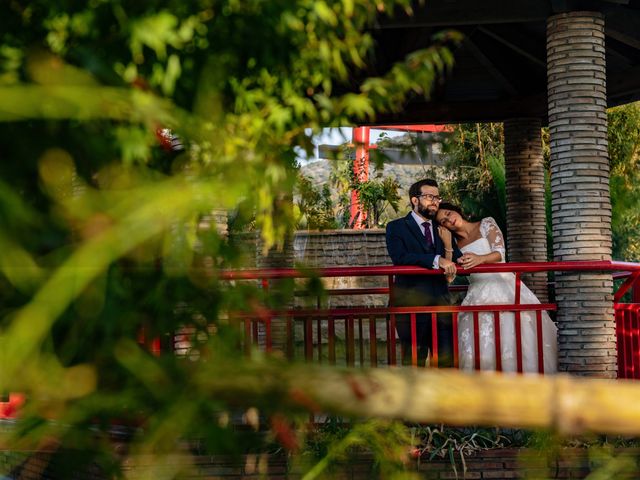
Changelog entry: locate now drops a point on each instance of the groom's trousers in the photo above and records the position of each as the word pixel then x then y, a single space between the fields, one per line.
pixel 424 338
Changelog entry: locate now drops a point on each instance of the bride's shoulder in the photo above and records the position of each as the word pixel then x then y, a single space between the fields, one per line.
pixel 488 221
pixel 487 224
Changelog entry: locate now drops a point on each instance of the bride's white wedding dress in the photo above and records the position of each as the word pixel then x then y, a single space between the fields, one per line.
pixel 499 288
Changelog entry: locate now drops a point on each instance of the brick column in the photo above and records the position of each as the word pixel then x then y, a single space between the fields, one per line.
pixel 581 211
pixel 526 216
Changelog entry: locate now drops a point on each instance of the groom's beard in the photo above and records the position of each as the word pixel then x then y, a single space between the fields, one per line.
pixel 426 213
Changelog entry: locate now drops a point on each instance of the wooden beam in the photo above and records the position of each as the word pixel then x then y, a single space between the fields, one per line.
pixel 489 66
pixel 562 6
pixel 623 37
pixel 471 12
pixel 623 24
pixel 614 50
pixel 516 48
pixel 617 100
pixel 479 111
pixel 623 85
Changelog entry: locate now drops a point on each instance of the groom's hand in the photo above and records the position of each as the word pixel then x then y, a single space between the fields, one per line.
pixel 447 265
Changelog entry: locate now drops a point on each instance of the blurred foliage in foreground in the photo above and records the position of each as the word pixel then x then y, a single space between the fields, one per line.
pixel 105 235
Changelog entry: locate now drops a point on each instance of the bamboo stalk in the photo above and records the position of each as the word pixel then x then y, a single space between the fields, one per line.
pixel 571 405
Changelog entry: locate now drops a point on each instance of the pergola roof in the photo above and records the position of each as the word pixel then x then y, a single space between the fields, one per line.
pixel 500 67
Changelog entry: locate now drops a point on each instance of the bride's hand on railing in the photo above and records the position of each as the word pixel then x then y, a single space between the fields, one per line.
pixel 470 260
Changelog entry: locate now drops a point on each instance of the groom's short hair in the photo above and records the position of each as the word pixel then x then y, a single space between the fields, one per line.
pixel 415 190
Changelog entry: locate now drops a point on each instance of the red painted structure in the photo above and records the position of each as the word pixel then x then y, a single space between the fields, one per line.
pixel 362 325
pixel 10 406
pixel 358 216
pixel 360 136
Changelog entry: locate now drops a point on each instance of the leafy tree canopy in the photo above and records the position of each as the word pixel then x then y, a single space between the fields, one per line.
pixel 105 235
pixel 624 152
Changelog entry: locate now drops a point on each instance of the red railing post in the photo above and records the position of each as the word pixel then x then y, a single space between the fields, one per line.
pixel 628 322
pixel 434 340
pixel 331 345
pixel 635 343
pixel 361 341
pixel 350 334
pixel 454 322
pixel 628 342
pixel 319 328
pixel 391 325
pixel 358 215
pixel 631 334
pixel 632 282
pixel 540 342
pixel 156 347
pixel 308 338
pixel 518 329
pixel 476 341
pixel 414 341
pixel 373 342
pixel 498 342
pixel 392 340
pixel 635 293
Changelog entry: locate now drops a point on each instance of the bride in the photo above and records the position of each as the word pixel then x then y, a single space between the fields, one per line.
pixel 482 242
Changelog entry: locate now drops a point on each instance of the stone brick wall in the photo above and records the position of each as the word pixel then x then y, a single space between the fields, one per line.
pixel 581 207
pixel 340 248
pixel 489 464
pixel 329 248
pixel 318 249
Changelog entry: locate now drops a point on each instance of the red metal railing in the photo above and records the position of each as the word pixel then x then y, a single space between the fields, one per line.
pixel 11 404
pixel 361 325
pixel 628 327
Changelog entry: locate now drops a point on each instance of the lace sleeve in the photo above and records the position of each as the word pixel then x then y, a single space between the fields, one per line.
pixel 489 229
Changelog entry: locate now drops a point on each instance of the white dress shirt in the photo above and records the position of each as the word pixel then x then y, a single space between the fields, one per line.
pixel 419 220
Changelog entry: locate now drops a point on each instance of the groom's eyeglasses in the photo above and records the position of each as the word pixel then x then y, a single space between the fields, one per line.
pixel 431 198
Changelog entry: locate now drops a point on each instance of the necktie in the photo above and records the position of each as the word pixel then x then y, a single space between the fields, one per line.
pixel 427 234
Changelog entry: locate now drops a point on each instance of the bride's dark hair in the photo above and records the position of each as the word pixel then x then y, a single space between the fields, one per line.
pixel 452 207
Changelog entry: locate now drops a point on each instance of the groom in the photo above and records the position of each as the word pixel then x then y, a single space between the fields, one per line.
pixel 414 240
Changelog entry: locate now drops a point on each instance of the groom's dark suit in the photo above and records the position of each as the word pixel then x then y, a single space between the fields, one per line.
pixel 407 246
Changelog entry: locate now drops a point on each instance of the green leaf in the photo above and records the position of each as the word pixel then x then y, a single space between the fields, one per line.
pixel 134 143
pixel 154 31
pixel 171 74
pixel 358 106
pixel 19 266
pixel 325 13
